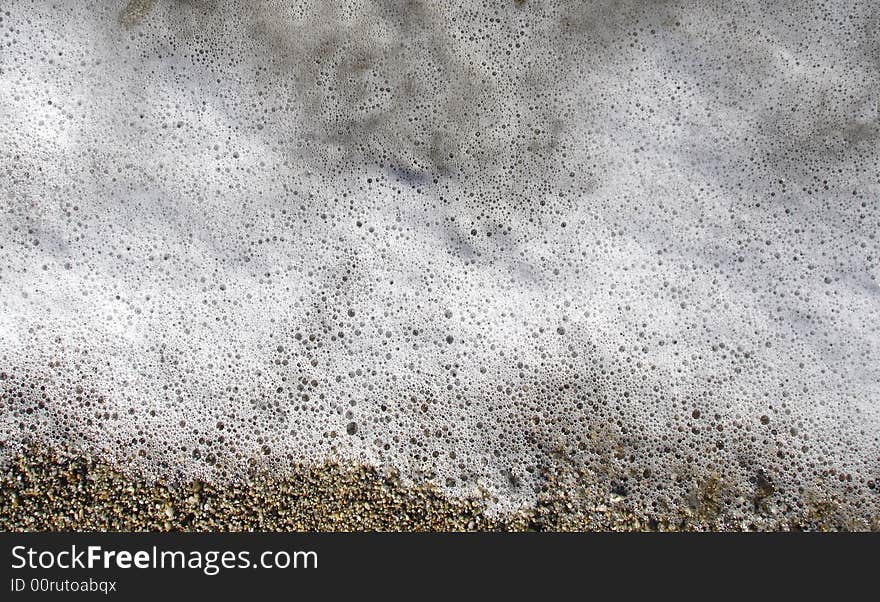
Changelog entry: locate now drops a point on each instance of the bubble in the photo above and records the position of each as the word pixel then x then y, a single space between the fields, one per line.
pixel 634 242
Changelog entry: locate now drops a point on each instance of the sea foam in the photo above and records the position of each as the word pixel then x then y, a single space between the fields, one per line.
pixel 469 241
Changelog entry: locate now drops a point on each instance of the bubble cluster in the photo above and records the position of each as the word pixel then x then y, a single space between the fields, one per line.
pixel 470 241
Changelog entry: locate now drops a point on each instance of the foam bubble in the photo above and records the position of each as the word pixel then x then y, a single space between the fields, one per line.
pixel 468 240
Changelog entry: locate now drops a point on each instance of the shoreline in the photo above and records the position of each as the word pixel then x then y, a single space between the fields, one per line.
pixel 59 491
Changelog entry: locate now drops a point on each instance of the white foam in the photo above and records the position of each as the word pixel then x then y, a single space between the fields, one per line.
pixel 627 231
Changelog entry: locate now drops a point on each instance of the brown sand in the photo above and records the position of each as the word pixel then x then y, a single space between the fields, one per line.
pixel 49 491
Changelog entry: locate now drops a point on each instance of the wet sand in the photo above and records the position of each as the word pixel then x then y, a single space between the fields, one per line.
pixel 58 491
